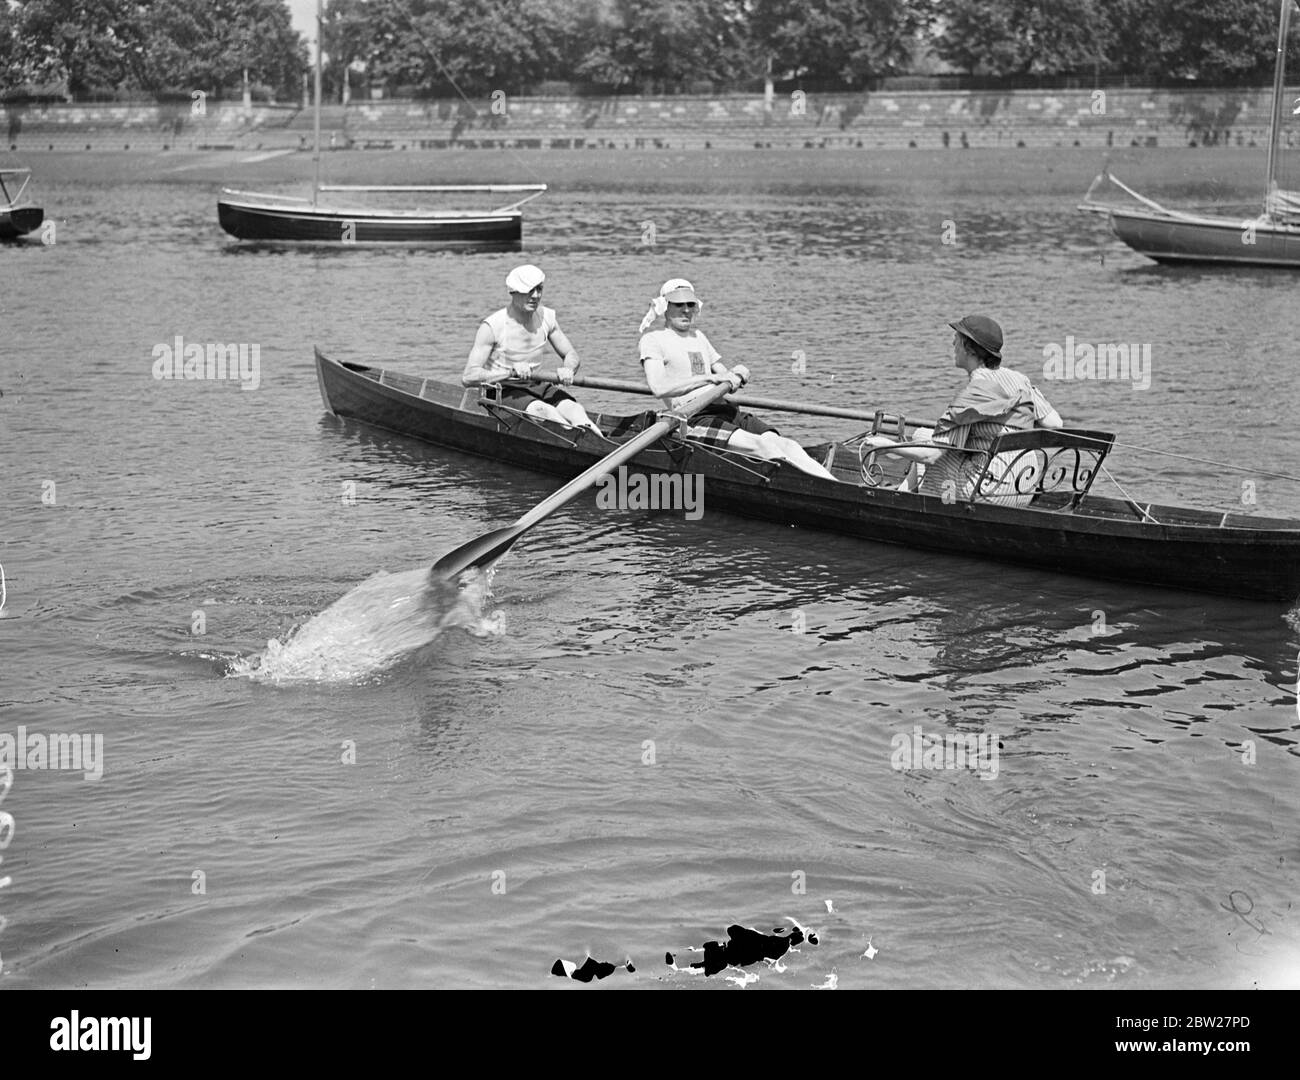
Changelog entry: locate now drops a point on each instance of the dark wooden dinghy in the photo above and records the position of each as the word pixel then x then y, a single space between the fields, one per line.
pixel 18 216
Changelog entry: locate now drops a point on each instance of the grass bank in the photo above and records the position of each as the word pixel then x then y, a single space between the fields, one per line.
pixel 1218 174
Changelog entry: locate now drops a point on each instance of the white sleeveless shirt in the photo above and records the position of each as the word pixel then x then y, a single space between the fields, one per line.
pixel 513 342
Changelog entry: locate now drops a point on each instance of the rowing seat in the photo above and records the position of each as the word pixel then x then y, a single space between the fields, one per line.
pixel 1020 466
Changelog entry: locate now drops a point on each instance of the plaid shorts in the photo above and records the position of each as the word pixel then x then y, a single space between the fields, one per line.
pixel 521 395
pixel 716 424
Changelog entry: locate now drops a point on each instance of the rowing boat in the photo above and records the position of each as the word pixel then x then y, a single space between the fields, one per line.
pixel 18 217
pixel 1063 527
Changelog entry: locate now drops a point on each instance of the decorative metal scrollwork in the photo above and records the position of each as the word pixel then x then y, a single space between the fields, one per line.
pixel 1036 470
pixel 872 473
pixel 1020 475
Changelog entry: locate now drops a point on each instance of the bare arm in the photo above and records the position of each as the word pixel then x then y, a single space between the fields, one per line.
pixel 564 347
pixel 477 370
pixel 927 455
pixel 656 377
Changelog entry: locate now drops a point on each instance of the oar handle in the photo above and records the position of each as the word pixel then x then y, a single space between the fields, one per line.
pixel 742 401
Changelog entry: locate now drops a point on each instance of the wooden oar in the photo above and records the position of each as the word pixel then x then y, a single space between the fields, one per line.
pixel 489 547
pixel 624 386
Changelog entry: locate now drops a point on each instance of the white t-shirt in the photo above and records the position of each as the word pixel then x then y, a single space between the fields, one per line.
pixel 684 356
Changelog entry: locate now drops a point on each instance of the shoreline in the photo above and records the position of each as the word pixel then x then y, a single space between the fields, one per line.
pixel 1213 174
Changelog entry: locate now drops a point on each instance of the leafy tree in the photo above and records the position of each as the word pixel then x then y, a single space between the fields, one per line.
pixel 158 45
pixel 1209 40
pixel 1020 37
pixel 479 45
pixel 847 41
pixel 82 41
pixel 11 73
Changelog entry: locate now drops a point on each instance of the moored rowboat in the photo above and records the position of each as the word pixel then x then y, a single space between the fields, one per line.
pixel 252 216
pixel 1064 527
pixel 17 216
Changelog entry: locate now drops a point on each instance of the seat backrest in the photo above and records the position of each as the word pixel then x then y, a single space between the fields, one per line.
pixel 1029 463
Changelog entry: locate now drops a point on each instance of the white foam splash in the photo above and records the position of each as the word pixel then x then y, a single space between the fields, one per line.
pixel 371 628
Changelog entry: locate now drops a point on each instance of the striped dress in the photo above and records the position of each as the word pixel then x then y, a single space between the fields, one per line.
pixel 961 426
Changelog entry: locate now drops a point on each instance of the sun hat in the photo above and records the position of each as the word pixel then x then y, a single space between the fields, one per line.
pixel 524 279
pixel 675 291
pixel 679 291
pixel 983 331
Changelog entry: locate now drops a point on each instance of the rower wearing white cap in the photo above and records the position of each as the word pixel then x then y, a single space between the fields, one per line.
pixel 679 359
pixel 511 342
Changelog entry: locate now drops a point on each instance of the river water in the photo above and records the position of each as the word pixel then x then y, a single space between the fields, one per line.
pixel 643 729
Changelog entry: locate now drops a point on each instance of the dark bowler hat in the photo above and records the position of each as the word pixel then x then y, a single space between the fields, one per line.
pixel 983 331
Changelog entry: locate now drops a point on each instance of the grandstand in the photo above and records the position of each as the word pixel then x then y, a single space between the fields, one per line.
pixel 928 119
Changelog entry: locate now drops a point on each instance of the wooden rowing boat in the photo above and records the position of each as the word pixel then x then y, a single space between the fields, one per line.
pixel 1064 528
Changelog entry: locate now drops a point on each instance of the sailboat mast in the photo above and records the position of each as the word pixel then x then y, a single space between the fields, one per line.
pixel 1275 121
pixel 320 18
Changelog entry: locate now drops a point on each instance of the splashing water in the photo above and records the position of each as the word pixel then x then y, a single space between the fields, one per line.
pixel 370 628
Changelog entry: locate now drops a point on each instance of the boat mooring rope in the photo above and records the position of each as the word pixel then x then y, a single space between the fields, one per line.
pixel 1198 460
pixel 1146 513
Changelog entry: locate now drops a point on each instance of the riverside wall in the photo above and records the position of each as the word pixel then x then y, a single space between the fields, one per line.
pixel 926 119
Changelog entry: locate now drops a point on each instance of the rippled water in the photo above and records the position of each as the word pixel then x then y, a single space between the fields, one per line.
pixel 628 744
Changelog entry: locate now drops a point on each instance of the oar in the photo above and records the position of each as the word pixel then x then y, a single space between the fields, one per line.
pixel 489 547
pixel 623 386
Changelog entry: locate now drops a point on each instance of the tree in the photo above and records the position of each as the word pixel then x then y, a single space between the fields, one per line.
pixel 80 41
pixel 847 41
pixel 11 72
pixel 157 45
pixel 1022 37
pixel 1209 40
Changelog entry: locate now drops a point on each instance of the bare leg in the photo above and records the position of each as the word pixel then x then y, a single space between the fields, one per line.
pixel 576 415
pixel 543 411
pixel 564 414
pixel 773 447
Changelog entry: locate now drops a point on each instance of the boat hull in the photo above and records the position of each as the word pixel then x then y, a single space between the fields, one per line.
pixel 16 221
pixel 317 225
pixel 1207 240
pixel 1227 554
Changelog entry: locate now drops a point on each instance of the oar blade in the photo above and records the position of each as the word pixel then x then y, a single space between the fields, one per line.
pixel 481 551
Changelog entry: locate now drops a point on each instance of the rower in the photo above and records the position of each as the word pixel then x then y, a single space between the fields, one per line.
pixel 679 359
pixel 510 344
